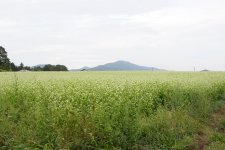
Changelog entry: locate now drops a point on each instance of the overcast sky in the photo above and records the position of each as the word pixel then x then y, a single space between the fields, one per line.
pixel 168 34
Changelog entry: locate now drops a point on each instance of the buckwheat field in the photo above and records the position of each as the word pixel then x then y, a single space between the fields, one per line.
pixel 111 110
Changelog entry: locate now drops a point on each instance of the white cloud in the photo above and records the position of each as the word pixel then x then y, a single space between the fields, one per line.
pixel 174 35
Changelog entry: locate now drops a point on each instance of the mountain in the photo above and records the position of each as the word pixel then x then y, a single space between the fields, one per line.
pixel 118 66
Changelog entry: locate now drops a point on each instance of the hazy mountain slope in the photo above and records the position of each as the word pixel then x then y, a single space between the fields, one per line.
pixel 117 66
pixel 121 65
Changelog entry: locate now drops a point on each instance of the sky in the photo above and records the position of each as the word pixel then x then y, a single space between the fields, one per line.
pixel 168 34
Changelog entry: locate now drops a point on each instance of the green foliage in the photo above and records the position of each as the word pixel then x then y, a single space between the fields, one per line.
pixel 187 142
pixel 217 137
pixel 222 124
pixel 4 60
pixel 216 146
pixel 49 67
pixel 107 110
pixel 54 68
pixel 13 67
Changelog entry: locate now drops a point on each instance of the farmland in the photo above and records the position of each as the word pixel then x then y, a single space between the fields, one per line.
pixel 112 110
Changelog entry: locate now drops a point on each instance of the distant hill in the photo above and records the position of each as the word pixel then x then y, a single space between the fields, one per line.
pixel 118 66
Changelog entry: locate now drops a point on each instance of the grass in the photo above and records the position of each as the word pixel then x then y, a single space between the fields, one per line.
pixel 108 110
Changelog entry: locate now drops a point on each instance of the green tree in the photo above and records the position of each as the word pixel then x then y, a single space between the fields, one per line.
pixel 50 67
pixel 13 67
pixel 60 68
pixel 21 66
pixel 27 68
pixel 4 60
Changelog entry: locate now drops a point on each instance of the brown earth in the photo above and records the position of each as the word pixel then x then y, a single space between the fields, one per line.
pixel 202 138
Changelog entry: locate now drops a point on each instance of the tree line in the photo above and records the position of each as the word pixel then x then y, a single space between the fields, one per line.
pixel 7 65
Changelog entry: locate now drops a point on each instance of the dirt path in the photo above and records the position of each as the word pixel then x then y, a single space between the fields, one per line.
pixel 202 139
pixel 216 118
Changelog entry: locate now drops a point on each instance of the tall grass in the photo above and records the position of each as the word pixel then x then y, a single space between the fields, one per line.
pixel 106 110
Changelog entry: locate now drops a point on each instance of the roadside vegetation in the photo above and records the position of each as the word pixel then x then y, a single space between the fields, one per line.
pixel 112 110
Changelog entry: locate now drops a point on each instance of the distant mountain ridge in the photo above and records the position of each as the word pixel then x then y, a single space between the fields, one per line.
pixel 118 66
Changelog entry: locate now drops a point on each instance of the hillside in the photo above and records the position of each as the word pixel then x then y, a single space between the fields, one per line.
pixel 118 66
